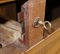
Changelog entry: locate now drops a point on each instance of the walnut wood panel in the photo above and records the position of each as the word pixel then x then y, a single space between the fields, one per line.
pixel 50 45
pixel 33 9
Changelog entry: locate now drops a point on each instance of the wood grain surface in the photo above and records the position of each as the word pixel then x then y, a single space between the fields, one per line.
pixel 50 45
pixel 32 9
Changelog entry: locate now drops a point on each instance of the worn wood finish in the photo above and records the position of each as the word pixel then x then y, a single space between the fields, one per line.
pixel 31 10
pixel 49 45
